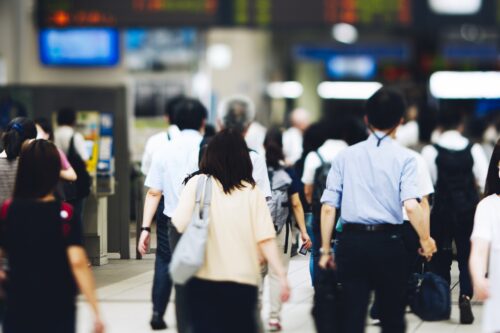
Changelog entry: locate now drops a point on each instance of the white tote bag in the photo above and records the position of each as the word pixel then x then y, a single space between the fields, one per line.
pixel 189 254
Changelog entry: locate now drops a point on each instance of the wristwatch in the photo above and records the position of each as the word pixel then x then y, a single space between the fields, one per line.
pixel 323 252
pixel 148 229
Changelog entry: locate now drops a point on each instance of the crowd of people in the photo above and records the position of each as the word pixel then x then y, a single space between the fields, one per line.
pixel 369 211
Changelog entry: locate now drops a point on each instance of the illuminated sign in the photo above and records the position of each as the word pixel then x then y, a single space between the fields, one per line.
pixel 261 13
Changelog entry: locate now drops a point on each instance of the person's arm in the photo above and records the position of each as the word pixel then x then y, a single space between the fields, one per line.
pixel 260 174
pixel 311 163
pixel 187 202
pixel 480 168
pixel 270 251
pixel 478 263
pixel 418 221
pixel 151 203
pixel 85 281
pixel 298 213
pixel 429 155
pixel 328 216
pixel 81 147
pixel 68 174
pixel 426 211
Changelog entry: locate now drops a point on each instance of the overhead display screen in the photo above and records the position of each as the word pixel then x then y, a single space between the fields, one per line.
pixel 127 13
pixel 79 47
pixel 253 13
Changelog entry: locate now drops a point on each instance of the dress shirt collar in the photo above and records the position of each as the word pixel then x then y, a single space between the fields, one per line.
pixel 450 135
pixel 376 136
pixel 189 133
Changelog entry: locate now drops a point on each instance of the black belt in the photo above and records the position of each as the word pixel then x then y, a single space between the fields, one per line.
pixel 370 227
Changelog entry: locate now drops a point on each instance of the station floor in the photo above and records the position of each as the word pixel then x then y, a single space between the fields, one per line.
pixel 124 289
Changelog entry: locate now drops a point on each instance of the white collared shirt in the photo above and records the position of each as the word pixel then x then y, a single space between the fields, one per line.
pixel 292 145
pixel 453 140
pixel 328 151
pixel 260 174
pixel 425 186
pixel 62 139
pixel 155 143
pixel 172 164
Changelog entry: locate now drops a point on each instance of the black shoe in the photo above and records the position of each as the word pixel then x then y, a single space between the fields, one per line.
pixel 157 323
pixel 466 316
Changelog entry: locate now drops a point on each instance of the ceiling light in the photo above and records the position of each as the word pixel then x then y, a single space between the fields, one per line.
pixel 348 90
pixel 465 85
pixel 288 89
pixel 345 33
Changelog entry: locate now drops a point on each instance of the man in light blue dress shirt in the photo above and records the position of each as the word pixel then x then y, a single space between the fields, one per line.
pixel 370 182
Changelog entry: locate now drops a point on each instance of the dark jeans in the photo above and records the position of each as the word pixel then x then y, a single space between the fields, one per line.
pixel 221 307
pixel 162 283
pixel 369 261
pixel 182 309
pixel 44 321
pixel 447 226
pixel 412 244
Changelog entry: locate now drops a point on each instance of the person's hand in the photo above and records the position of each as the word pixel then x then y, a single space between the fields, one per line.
pixel 98 326
pixel 306 240
pixel 326 261
pixel 428 248
pixel 285 289
pixel 144 240
pixel 482 289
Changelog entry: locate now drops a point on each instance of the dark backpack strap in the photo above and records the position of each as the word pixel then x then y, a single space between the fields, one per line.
pixel 320 158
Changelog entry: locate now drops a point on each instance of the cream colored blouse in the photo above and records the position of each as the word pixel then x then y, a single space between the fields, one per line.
pixel 238 222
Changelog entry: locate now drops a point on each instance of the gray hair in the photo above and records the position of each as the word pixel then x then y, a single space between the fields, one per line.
pixel 236 112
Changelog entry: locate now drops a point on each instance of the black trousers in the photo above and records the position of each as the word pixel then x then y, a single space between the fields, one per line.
pixel 369 261
pixel 221 307
pixel 182 309
pixel 162 283
pixel 448 226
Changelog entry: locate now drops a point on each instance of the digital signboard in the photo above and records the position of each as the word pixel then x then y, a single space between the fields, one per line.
pixel 260 13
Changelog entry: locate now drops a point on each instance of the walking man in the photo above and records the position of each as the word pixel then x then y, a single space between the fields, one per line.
pixel 370 182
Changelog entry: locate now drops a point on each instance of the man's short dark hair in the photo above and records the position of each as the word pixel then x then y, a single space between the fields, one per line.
pixel 190 114
pixel 385 108
pixel 450 119
pixel 170 107
pixel 66 116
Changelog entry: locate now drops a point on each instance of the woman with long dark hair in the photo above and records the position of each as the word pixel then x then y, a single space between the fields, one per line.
pixel 285 204
pixel 486 247
pixel 41 294
pixel 223 295
pixel 17 133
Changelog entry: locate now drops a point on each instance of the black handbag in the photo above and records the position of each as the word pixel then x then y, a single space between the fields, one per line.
pixel 429 296
pixel 327 307
pixel 80 188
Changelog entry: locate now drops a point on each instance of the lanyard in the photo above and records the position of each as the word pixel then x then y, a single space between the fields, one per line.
pixel 379 139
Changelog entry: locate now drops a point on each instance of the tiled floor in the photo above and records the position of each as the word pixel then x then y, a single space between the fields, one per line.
pixel 125 292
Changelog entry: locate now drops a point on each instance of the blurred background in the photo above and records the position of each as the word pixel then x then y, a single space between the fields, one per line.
pixel 124 59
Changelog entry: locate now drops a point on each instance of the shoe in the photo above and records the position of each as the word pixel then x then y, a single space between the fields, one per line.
pixel 274 325
pixel 157 323
pixel 466 316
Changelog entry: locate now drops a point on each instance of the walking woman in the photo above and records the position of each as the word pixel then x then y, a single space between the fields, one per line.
pixel 285 203
pixel 486 246
pixel 43 244
pixel 18 131
pixel 223 295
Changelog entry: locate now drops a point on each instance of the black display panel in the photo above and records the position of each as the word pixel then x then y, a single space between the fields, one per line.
pixel 254 13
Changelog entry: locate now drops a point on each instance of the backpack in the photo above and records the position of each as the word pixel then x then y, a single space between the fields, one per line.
pixel 319 186
pixel 279 204
pixel 80 188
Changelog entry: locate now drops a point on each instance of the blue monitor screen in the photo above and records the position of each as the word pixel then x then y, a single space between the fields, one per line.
pixel 80 47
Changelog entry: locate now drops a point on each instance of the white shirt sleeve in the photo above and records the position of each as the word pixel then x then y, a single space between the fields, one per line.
pixel 147 158
pixel 81 146
pixel 429 153
pixel 311 164
pixel 425 185
pixel 154 178
pixel 480 168
pixel 260 174
pixel 484 221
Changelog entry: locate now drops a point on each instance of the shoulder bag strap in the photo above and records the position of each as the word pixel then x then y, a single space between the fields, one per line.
pixel 320 158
